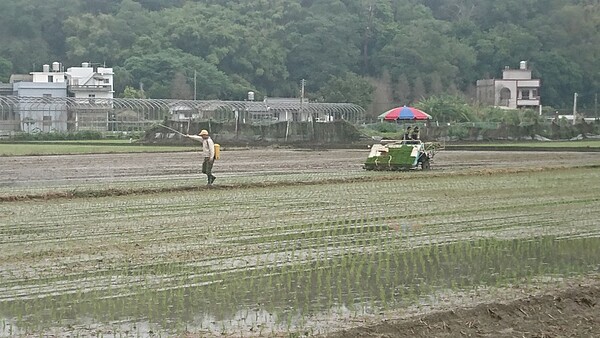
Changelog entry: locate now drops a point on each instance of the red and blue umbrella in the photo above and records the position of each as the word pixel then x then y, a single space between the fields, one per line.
pixel 404 113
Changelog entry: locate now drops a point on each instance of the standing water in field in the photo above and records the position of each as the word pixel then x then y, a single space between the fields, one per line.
pixel 291 258
pixel 288 297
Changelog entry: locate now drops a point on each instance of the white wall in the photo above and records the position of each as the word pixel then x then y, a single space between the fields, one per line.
pixel 512 86
pixel 516 74
pixel 528 83
pixel 102 79
pixel 42 77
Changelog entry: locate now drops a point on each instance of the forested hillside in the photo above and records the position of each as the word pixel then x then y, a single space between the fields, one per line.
pixel 347 50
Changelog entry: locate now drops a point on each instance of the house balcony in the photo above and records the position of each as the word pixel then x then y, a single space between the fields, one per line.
pixel 90 88
pixel 531 102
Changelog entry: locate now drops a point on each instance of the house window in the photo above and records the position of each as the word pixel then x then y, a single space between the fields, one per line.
pixel 525 94
pixel 535 94
pixel 106 81
pixel 50 78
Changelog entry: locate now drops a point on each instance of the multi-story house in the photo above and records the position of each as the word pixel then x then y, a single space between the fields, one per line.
pixel 38 115
pixel 89 82
pixel 516 89
pixel 91 90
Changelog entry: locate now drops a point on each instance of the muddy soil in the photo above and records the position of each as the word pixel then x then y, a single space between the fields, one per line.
pixel 569 311
pixel 97 168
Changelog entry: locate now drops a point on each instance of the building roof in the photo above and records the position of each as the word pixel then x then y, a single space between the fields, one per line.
pixel 285 100
pixel 6 89
pixel 20 78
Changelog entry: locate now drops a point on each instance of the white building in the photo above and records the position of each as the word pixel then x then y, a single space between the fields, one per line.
pixel 43 116
pixel 87 82
pixel 47 75
pixel 81 82
pixel 516 89
pixel 94 86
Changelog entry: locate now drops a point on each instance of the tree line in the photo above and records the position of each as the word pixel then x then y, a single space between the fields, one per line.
pixel 375 53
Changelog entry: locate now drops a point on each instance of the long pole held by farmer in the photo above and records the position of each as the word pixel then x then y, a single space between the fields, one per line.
pixel 208 152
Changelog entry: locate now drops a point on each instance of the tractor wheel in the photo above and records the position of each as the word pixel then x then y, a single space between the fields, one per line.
pixel 425 164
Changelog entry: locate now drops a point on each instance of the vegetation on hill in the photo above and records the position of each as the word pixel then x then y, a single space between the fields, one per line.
pixel 368 52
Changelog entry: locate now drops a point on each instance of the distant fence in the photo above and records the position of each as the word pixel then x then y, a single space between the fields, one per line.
pixel 45 114
pixel 477 131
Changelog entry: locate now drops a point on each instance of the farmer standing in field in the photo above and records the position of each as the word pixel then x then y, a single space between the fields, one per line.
pixel 208 152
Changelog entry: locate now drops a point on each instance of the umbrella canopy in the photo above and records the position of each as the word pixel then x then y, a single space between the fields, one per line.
pixel 404 113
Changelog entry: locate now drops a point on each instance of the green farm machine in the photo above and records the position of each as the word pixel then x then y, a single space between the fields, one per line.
pixel 394 155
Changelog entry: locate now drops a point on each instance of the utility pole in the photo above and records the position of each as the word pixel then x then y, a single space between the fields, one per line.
pixel 574 108
pixel 596 106
pixel 367 36
pixel 302 84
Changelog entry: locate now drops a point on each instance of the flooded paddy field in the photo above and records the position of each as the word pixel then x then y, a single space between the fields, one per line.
pixel 346 250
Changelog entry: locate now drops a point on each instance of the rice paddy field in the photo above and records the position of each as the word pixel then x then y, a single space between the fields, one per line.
pixel 81 147
pixel 293 243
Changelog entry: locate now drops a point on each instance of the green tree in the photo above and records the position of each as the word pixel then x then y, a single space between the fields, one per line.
pixel 447 108
pixel 423 48
pixel 268 46
pixel 383 94
pixel 436 87
pixel 100 6
pixel 418 90
pixel 157 5
pixel 505 45
pixel 106 37
pixel 560 77
pixel 98 38
pixel 402 92
pixel 492 114
pixel 5 69
pixel 575 29
pixel 349 88
pixel 323 43
pixel 246 49
pixel 132 93
pixel 122 79
pixel 30 32
pixel 180 88
pixel 157 70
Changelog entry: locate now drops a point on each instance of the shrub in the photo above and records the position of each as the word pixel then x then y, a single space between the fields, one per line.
pixel 386 127
pixel 458 131
pixel 57 136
